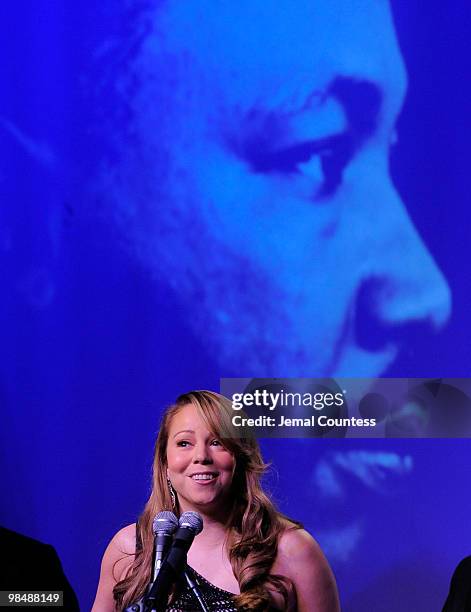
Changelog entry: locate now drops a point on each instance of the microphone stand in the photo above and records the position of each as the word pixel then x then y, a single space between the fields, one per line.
pixel 141 605
pixel 196 592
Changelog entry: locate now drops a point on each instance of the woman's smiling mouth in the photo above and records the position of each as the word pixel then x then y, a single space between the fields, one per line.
pixel 204 476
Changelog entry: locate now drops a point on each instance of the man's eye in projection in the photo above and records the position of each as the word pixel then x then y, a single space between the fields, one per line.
pixel 334 153
pixel 264 142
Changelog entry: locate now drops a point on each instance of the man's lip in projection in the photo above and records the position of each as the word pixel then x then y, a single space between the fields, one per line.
pixel 261 192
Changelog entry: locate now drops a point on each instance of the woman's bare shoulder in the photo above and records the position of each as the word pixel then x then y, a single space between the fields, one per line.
pixel 296 544
pixel 125 540
pixel 119 554
pixel 301 559
pixel 116 562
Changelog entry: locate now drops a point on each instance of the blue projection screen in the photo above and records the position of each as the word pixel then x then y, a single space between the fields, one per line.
pixel 199 189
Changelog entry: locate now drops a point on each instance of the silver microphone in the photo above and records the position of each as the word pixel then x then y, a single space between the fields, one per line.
pixel 164 526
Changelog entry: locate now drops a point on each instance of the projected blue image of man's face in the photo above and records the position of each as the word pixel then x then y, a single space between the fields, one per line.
pixel 263 188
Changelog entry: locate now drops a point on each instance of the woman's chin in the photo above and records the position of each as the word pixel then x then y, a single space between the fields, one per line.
pixel 203 503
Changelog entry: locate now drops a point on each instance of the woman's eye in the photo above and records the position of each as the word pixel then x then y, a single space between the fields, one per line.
pixel 183 443
pixel 216 443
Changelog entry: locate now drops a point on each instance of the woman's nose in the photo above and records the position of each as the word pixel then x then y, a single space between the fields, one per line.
pixel 201 454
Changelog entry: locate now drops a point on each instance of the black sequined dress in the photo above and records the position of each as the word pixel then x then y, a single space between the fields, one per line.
pixel 216 599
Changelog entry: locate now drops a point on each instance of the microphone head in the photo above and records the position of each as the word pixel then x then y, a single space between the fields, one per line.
pixel 192 521
pixel 165 522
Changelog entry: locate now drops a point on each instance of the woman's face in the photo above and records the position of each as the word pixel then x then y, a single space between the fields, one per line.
pixel 200 468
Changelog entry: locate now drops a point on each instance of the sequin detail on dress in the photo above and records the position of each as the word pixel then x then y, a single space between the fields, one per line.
pixel 216 599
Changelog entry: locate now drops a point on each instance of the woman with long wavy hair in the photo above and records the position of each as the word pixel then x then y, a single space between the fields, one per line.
pixel 248 556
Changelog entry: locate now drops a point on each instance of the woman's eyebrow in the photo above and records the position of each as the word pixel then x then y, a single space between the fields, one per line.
pixel 183 431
